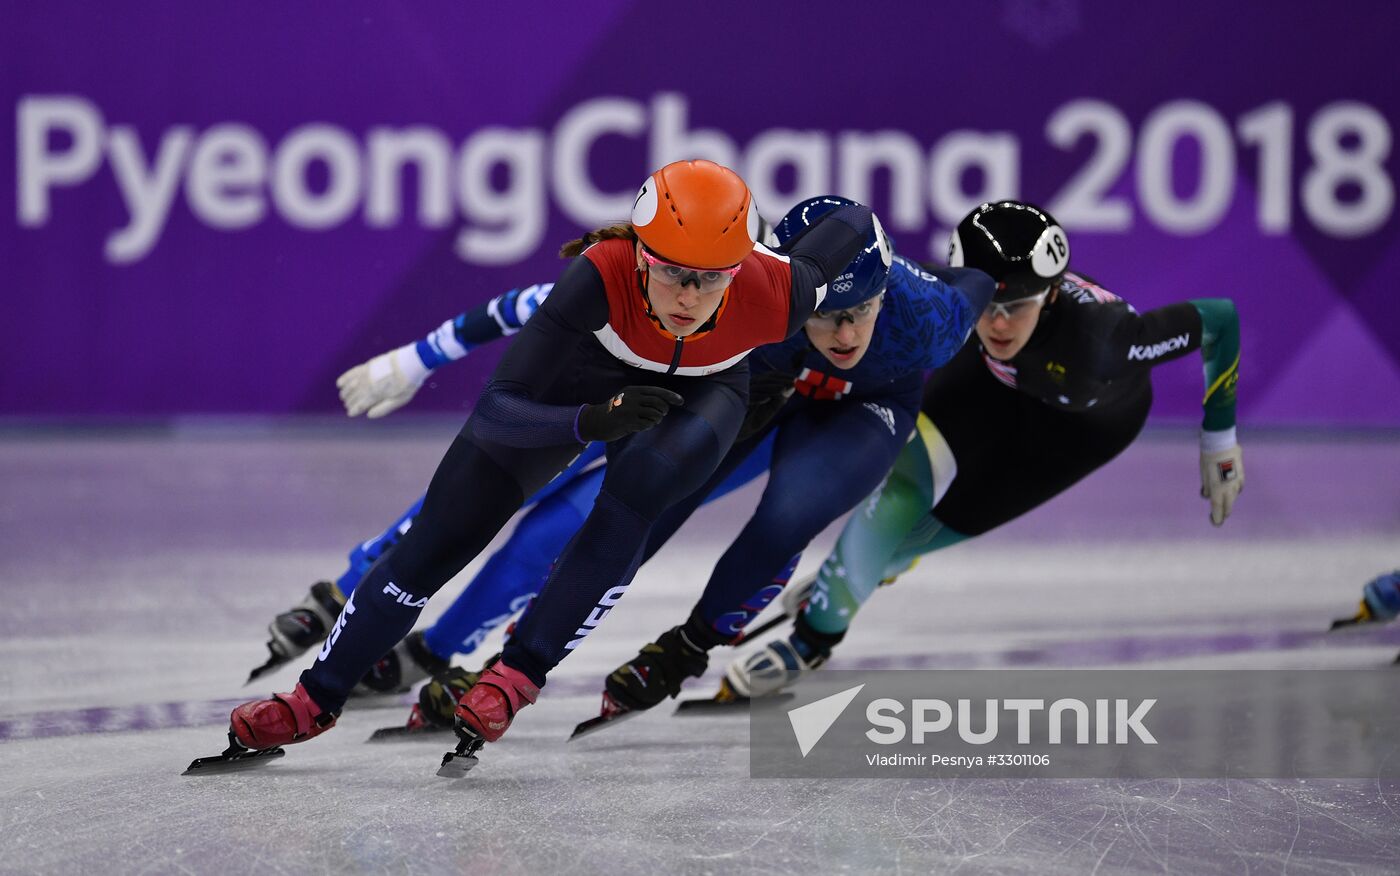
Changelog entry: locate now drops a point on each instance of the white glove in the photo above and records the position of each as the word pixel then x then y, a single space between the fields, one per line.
pixel 383 384
pixel 1222 472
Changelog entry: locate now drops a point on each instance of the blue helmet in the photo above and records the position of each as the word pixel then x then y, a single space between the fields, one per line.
pixel 865 276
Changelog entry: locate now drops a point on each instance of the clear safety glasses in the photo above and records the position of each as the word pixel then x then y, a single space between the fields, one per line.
pixel 1014 309
pixel 863 313
pixel 704 279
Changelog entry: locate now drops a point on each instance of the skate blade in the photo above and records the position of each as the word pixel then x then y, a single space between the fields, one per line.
pixel 400 734
pixel 712 706
pixel 460 761
pixel 264 669
pixel 274 661
pixel 456 766
pixel 717 706
pixel 260 672
pixel 1362 617
pixel 593 725
pixel 229 762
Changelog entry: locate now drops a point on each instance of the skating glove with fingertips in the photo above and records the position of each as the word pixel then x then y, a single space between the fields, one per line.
pixel 383 384
pixel 1222 472
pixel 634 409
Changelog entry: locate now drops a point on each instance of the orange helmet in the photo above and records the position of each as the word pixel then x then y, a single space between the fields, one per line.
pixel 696 213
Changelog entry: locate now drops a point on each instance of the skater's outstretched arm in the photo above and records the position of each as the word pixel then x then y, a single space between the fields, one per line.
pixel 1222 461
pixel 389 381
pixel 819 254
pixel 1166 333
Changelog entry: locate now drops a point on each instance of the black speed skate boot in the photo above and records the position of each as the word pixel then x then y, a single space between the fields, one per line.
pixel 657 672
pixel 436 708
pixel 410 662
pixel 296 630
pixel 437 701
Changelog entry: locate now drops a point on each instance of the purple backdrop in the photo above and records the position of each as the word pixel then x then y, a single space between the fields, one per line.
pixel 219 209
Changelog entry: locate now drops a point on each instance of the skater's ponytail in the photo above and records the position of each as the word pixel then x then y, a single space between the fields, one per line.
pixel 619 231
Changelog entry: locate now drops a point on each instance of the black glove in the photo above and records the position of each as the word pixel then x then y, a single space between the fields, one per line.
pixel 634 409
pixel 768 392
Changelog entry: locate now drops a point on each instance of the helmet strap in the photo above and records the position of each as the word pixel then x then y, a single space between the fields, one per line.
pixel 1046 316
pixel 643 286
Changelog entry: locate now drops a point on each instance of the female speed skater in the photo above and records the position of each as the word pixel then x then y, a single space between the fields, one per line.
pixel 1055 385
pixel 511 576
pixel 641 345
pixel 377 388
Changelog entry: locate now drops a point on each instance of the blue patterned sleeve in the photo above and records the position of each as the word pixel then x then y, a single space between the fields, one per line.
pixel 945 306
pixel 500 317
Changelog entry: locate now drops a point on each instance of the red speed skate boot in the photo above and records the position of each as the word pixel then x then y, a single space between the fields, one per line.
pixel 485 712
pixel 258 730
pixel 283 719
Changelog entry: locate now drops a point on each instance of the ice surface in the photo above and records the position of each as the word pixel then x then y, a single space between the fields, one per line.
pixel 140 567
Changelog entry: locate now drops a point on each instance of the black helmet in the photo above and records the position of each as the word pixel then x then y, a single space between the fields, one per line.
pixel 1020 245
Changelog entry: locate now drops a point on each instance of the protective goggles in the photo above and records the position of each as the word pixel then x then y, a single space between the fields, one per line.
pixel 863 313
pixel 1014 309
pixel 704 279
